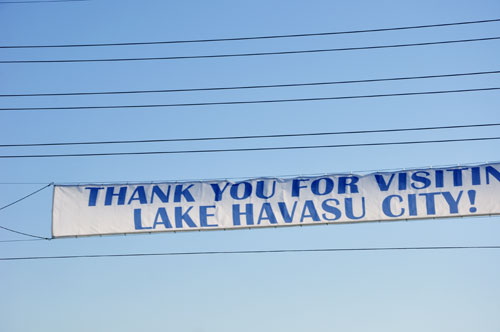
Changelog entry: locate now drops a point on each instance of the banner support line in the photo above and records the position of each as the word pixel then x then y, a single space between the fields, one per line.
pixel 19 200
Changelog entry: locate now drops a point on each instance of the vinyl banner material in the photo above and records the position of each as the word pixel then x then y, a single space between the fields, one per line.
pixel 96 209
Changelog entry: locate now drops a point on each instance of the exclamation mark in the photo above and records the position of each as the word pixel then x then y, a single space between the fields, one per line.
pixel 472 199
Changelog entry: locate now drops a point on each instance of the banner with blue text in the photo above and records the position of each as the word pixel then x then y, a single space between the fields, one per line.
pixel 96 209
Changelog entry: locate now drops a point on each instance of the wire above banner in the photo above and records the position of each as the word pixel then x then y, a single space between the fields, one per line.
pixel 232 55
pixel 97 209
pixel 228 39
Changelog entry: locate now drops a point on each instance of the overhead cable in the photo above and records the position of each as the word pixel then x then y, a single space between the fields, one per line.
pixel 208 56
pixel 22 240
pixel 249 86
pixel 363 171
pixel 246 149
pixel 246 252
pixel 241 102
pixel 351 132
pixel 22 183
pixel 251 37
pixel 36 1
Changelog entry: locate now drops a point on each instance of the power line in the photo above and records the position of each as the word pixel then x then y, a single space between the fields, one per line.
pixel 250 86
pixel 22 183
pixel 246 149
pixel 43 1
pixel 242 252
pixel 23 240
pixel 246 101
pixel 363 171
pixel 248 38
pixel 352 132
pixel 186 57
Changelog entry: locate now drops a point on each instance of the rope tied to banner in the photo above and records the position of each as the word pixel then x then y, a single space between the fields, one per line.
pixel 19 200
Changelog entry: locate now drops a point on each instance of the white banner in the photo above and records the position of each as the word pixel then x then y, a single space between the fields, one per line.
pixel 95 209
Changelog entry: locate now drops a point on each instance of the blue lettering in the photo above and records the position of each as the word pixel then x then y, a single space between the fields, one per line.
pixel 110 194
pixel 476 176
pixel 217 191
pixel 179 192
pixel 331 209
pixel 93 194
pixel 269 214
pixel 491 170
pixel 179 217
pixel 386 206
pixel 237 214
pixel 412 204
pixel 403 181
pixel 287 217
pixel 457 176
pixel 348 181
pixel 162 218
pixel 439 178
pixel 420 179
pixel 452 202
pixel 382 184
pixel 309 207
pixel 138 220
pixel 260 190
pixel 204 216
pixel 328 186
pixel 160 194
pixel 349 210
pixel 296 186
pixel 246 192
pixel 430 202
pixel 141 196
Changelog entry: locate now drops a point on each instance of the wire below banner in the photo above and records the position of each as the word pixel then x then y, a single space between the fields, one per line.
pixel 245 252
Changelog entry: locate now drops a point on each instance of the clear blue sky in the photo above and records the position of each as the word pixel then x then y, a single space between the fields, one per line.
pixel 355 291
